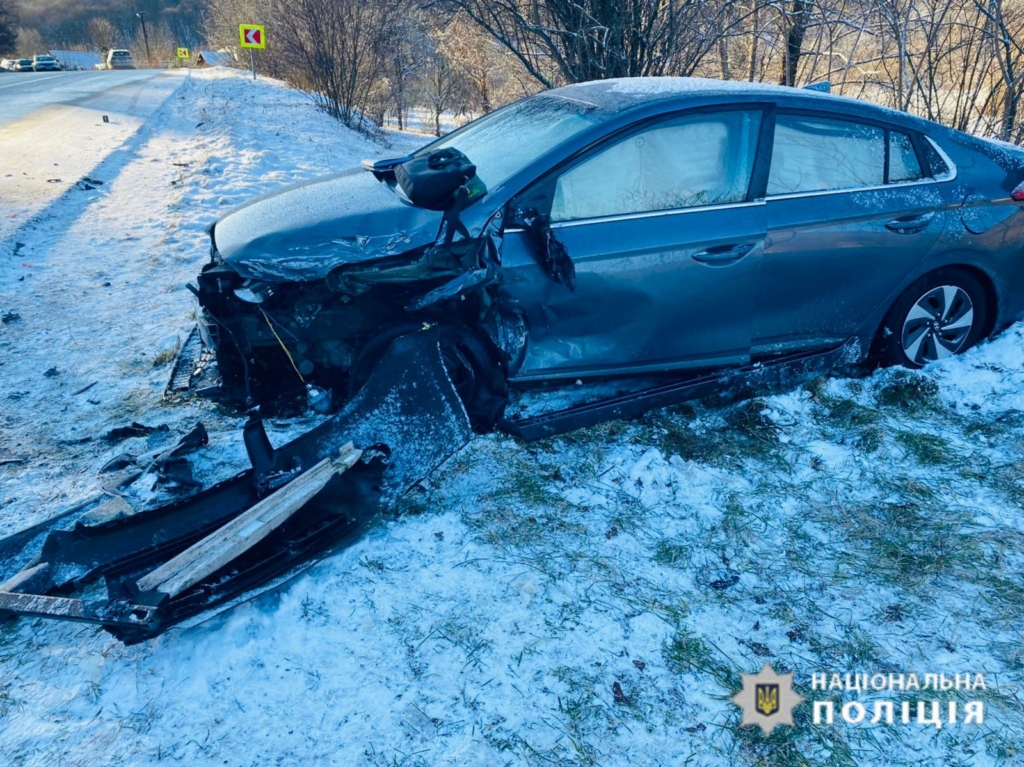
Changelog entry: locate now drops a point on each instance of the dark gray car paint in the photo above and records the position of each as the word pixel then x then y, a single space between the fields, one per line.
pixel 839 243
pixel 303 232
pixel 828 272
pixel 642 301
pixel 986 173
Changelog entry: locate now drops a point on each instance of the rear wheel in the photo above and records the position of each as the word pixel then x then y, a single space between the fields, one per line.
pixel 942 314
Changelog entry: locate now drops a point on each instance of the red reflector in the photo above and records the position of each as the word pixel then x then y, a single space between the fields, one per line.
pixel 1017 195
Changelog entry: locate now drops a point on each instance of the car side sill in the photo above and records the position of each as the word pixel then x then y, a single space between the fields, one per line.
pixel 785 371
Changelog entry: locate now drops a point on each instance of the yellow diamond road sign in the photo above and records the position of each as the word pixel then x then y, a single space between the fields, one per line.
pixel 252 36
pixel 182 53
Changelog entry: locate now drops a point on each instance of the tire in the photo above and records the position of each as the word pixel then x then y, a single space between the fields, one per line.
pixel 942 314
pixel 471 366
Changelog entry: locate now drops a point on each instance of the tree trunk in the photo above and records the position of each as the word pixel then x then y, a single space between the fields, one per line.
pixel 754 32
pixel 794 41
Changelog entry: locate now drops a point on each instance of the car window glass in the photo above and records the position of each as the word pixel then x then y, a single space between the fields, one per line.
pixel 813 155
pixel 903 164
pixel 507 140
pixel 937 167
pixel 698 160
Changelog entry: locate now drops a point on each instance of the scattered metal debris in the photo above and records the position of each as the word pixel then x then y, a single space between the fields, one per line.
pixel 165 564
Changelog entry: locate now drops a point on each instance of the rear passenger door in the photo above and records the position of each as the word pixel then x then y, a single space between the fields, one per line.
pixel 850 212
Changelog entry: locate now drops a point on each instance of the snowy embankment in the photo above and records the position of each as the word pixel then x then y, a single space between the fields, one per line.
pixel 849 526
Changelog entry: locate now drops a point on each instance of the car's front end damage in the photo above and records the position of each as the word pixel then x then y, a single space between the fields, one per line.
pixel 300 284
pixel 387 296
pixel 306 287
pixel 285 306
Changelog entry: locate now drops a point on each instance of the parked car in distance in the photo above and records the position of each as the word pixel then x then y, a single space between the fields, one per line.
pixel 44 62
pixel 117 58
pixel 16 65
pixel 631 227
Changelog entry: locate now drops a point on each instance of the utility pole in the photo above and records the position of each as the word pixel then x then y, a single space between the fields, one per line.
pixel 145 37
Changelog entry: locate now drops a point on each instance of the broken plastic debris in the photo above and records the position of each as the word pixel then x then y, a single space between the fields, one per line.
pixel 319 400
pixel 136 429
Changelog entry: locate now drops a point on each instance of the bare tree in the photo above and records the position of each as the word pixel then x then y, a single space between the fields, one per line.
pixel 337 48
pixel 30 42
pixel 408 45
pixel 794 20
pixel 102 33
pixel 578 40
pixel 1006 30
pixel 442 86
pixel 8 27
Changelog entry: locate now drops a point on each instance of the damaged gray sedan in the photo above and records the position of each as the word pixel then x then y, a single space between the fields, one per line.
pixel 664 227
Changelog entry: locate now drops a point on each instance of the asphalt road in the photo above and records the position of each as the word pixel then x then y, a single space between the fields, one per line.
pixel 24 92
pixel 52 133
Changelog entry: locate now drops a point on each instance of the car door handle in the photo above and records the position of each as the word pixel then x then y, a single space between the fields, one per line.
pixel 723 254
pixel 910 224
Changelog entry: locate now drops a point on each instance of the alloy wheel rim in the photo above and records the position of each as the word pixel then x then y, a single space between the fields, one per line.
pixel 938 324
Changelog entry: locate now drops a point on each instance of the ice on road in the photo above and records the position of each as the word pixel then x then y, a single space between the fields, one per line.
pixel 52 134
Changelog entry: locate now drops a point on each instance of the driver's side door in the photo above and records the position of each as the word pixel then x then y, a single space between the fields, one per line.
pixel 665 226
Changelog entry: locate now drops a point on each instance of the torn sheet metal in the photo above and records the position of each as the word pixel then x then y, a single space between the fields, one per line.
pixel 407 419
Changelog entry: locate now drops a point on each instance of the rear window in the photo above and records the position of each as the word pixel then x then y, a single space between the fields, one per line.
pixel 903 162
pixel 937 166
pixel 120 54
pixel 813 154
pixel 817 155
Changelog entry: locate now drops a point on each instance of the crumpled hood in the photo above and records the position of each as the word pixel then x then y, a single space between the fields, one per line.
pixel 304 231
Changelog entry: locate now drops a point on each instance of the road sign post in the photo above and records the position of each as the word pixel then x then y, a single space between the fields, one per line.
pixel 253 37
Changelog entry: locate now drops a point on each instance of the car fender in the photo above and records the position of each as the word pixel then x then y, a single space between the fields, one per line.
pixel 1008 301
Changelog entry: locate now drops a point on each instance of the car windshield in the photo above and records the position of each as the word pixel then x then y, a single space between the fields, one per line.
pixel 24 61
pixel 44 58
pixel 507 140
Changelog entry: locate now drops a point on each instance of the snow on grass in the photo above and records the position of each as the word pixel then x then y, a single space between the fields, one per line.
pixel 98 285
pixel 850 526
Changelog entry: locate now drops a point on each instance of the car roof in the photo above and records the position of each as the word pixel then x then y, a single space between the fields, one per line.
pixel 629 94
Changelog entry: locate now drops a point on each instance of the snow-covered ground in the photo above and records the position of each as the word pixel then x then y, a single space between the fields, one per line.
pixel 850 526
pixel 421 120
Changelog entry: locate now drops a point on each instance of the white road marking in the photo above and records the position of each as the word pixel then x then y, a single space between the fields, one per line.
pixel 34 80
